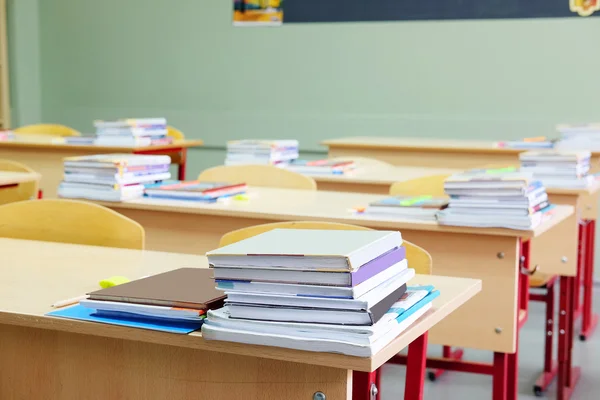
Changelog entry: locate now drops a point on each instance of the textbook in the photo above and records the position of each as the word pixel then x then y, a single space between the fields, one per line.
pixel 320 167
pixel 342 316
pixel 116 160
pixel 100 192
pixel 360 341
pixel 265 152
pixel 364 302
pixel 561 169
pixel 319 285
pixel 419 207
pixel 194 190
pixel 540 142
pixel 184 287
pixel 307 249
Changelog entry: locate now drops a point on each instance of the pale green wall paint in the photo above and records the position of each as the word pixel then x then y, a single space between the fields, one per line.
pixel 24 61
pixel 183 60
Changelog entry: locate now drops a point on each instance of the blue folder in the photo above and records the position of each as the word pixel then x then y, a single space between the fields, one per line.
pixel 88 314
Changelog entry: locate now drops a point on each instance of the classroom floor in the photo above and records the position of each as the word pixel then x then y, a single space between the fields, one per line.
pixel 454 385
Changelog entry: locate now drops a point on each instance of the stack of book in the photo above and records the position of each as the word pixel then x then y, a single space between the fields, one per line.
pixel 132 132
pixel 174 301
pixel 111 177
pixel 559 169
pixel 321 167
pixel 264 152
pixel 6 135
pixel 317 290
pixel 579 137
pixel 207 192
pixel 422 208
pixel 500 198
pixel 540 142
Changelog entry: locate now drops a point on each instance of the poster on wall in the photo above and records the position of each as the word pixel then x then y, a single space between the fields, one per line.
pixel 257 12
pixel 302 11
pixel 585 8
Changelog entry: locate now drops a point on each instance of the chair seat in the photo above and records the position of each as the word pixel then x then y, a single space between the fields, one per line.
pixel 540 280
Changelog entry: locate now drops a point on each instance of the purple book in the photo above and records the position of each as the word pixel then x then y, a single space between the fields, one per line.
pixel 342 279
pixel 377 265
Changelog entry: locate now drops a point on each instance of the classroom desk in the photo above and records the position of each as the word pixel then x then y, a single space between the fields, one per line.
pixel 52 358
pixel 45 154
pixel 433 153
pixel 375 179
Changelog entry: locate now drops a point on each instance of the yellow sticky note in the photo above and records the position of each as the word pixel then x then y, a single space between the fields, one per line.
pixel 113 281
pixel 241 197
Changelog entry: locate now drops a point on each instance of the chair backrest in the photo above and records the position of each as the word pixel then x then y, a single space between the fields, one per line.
pixel 418 258
pixel 69 221
pixel 364 161
pixel 258 175
pixel 25 190
pixel 47 129
pixel 432 185
pixel 175 133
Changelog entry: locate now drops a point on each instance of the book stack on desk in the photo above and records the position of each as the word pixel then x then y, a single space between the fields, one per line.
pixel 206 192
pixel 422 208
pixel 500 198
pixel 111 177
pixel 540 142
pixel 262 152
pixel 174 301
pixel 579 137
pixel 6 135
pixel 316 290
pixel 560 168
pixel 132 132
pixel 321 167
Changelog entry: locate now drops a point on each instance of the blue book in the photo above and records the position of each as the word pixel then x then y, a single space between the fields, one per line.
pixel 81 313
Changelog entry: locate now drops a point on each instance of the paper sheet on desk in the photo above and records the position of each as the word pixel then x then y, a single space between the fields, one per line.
pixel 87 314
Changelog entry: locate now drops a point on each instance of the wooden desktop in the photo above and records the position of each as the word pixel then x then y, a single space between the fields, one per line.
pixel 53 358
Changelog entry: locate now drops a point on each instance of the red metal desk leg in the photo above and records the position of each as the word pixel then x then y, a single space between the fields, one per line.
pixel 363 384
pixel 590 320
pixel 567 375
pixel 415 369
pixel 182 165
pixel 500 374
pixel 581 255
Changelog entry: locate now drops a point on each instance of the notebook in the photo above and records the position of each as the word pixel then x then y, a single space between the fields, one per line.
pixel 354 278
pixel 116 160
pixel 184 287
pixel 195 190
pixel 307 249
pixel 314 315
pixel 365 302
pixel 316 289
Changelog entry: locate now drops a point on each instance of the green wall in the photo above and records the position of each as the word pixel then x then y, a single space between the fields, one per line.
pixel 23 35
pixel 183 59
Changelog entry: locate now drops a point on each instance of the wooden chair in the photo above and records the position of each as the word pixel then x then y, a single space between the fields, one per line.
pixel 417 257
pixel 47 129
pixel 69 221
pixel 24 191
pixel 259 175
pixel 175 133
pixel 364 161
pixel 428 185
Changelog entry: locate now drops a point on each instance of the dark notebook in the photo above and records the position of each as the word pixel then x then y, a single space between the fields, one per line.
pixel 184 287
pixel 316 316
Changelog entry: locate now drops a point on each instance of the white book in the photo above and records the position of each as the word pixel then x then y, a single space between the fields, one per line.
pixel 117 180
pixel 364 302
pixel 307 249
pixel 312 290
pixel 301 341
pixel 130 122
pixel 116 160
pixel 99 192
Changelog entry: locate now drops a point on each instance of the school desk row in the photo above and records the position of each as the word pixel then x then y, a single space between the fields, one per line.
pixel 74 359
pixel 45 154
